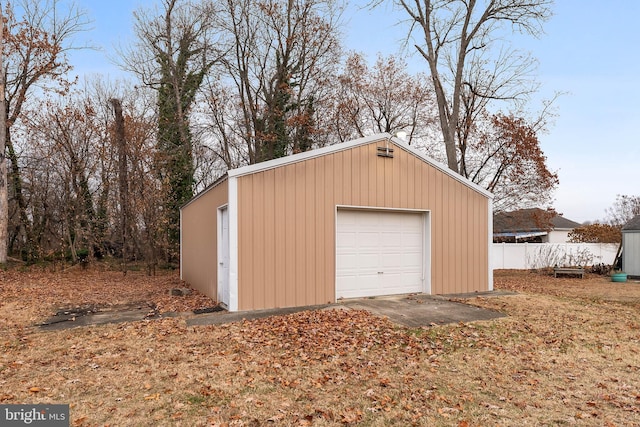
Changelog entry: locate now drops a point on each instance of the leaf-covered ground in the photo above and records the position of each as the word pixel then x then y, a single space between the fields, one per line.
pixel 568 354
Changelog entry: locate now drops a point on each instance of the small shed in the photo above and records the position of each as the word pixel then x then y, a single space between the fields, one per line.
pixel 368 217
pixel 631 247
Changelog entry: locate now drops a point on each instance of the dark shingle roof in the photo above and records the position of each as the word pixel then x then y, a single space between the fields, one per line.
pixel 633 224
pixel 530 220
pixel 560 222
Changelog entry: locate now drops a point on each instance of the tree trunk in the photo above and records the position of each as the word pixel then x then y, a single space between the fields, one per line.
pixel 4 199
pixel 29 249
pixel 123 179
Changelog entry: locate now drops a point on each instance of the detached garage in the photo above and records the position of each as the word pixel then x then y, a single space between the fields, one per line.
pixel 363 218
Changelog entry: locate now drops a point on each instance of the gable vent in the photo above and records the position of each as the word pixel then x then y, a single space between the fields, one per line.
pixel 385 152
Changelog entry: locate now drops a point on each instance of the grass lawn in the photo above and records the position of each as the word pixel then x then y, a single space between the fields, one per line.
pixel 567 354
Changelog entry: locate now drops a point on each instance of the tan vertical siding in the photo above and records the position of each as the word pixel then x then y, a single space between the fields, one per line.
pixel 356 181
pixel 290 238
pixel 286 223
pixel 199 251
pixel 280 227
pixel 321 232
pixel 246 239
pixel 347 169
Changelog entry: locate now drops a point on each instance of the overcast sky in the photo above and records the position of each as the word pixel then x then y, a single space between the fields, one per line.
pixel 589 52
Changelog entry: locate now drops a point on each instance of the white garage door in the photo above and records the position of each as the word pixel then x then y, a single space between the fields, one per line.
pixel 379 253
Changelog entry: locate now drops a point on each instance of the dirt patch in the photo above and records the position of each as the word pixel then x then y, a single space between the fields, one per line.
pixel 567 354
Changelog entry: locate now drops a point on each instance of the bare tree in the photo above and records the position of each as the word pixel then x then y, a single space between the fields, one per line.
pixel 145 236
pixel 35 47
pixel 80 179
pixel 176 49
pixel 457 38
pixel 63 136
pixel 279 58
pixel 623 210
pixel 123 178
pixel 4 199
pixel 384 98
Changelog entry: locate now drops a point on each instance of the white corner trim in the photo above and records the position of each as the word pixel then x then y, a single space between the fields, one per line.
pixel 181 257
pixel 427 289
pixel 217 182
pixel 490 238
pixel 233 243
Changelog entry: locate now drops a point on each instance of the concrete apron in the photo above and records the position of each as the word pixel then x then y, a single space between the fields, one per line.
pixel 407 310
pixel 419 310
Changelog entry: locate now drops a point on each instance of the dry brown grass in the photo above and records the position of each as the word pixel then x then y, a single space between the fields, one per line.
pixel 569 353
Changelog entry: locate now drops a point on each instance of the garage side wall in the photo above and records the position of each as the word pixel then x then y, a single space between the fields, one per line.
pixel 286 223
pixel 199 240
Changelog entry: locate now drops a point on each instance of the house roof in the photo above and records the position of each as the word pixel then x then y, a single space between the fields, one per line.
pixel 530 220
pixel 633 224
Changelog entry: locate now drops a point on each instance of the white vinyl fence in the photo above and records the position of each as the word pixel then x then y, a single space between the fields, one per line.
pixel 539 255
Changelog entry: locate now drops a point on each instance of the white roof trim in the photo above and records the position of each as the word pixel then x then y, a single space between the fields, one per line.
pixel 295 158
pixel 441 167
pixel 271 164
pixel 215 183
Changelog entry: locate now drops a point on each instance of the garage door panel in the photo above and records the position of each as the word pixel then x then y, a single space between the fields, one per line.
pixel 392 261
pixel 360 262
pixel 389 239
pixel 411 239
pixel 401 261
pixel 358 286
pixel 368 240
pixel 346 240
pixel 397 285
pixel 368 261
pixel 379 253
pixel 349 262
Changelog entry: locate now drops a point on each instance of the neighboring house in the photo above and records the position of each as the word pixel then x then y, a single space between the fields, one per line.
pixel 631 247
pixel 362 218
pixel 531 225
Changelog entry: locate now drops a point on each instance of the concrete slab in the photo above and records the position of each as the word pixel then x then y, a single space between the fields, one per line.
pixel 408 310
pixel 416 311
pixel 74 318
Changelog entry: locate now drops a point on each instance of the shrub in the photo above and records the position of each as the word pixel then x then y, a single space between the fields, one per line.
pixel 602 269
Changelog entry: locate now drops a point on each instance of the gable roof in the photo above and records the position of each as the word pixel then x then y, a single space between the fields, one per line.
pixel 294 158
pixel 531 220
pixel 633 224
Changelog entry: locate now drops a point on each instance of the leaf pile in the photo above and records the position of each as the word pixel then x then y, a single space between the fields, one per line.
pixel 41 293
